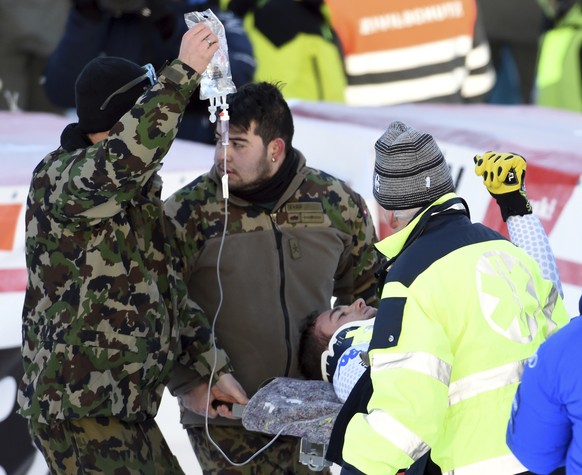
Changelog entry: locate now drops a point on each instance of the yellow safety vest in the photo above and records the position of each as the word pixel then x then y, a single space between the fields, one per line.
pixel 462 309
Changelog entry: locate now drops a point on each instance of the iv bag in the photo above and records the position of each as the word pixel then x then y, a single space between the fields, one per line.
pixel 216 81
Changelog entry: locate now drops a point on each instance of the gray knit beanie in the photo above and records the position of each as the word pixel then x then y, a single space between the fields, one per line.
pixel 410 169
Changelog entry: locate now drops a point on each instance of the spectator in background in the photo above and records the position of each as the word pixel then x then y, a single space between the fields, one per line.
pixel 559 68
pixel 29 32
pixel 143 31
pixel 295 44
pixel 513 29
pixel 413 51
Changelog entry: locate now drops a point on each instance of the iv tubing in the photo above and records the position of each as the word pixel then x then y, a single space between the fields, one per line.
pixel 224 129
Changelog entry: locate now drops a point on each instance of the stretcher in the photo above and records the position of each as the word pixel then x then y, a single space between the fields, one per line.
pixel 303 409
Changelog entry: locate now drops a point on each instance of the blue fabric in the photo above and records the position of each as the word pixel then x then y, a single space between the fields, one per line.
pixel 133 37
pixel 506 89
pixel 545 429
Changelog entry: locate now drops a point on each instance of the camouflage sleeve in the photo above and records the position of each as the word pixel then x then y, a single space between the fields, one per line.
pixel 94 183
pixel 199 353
pixel 364 260
pixel 183 379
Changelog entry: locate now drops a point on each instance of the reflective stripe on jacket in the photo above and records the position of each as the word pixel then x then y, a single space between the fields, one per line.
pixel 462 309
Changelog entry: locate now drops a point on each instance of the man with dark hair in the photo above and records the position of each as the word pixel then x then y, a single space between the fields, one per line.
pixel 326 335
pixel 106 315
pixel 266 240
pixel 312 344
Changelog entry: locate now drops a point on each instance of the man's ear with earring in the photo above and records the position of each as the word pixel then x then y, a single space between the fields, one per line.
pixel 277 149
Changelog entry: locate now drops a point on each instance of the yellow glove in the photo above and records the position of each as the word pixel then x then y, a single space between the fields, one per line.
pixel 504 177
pixel 502 172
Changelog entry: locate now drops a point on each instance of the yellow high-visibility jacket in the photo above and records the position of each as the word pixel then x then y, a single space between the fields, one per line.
pixel 295 45
pixel 462 309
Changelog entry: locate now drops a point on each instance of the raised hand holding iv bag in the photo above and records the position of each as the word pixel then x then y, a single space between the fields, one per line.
pixel 216 81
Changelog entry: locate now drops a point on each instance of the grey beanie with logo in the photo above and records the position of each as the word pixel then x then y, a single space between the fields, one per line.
pixel 410 169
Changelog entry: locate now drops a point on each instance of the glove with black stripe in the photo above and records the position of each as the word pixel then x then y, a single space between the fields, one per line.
pixel 504 177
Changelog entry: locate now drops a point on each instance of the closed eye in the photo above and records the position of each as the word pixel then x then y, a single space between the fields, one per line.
pixel 337 313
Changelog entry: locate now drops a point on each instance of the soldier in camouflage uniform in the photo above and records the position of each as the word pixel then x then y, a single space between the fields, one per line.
pixel 295 237
pixel 106 314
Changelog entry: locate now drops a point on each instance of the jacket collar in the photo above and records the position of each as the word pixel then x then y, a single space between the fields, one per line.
pixel 72 138
pixel 394 244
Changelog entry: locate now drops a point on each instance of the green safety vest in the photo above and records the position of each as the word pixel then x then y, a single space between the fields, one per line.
pixel 310 66
pixel 559 78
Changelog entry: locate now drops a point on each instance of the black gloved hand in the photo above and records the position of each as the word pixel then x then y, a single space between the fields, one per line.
pixel 504 177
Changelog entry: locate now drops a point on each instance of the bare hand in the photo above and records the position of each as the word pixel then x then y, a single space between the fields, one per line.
pixel 227 389
pixel 198 46
pixel 196 400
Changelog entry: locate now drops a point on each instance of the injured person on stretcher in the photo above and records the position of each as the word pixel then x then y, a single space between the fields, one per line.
pixel 307 408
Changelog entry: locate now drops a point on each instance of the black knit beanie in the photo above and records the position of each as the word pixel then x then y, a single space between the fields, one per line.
pixel 100 78
pixel 410 170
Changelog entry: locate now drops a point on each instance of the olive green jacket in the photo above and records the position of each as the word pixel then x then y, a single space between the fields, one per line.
pixel 276 266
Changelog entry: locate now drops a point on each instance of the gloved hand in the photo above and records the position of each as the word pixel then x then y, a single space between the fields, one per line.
pixel 504 177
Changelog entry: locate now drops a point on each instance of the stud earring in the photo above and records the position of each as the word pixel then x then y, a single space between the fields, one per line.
pixel 273 159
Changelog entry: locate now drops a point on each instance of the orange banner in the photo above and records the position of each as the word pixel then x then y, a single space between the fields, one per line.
pixel 8 220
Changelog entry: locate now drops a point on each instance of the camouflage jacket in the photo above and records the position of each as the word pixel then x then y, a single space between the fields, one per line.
pixel 106 312
pixel 275 267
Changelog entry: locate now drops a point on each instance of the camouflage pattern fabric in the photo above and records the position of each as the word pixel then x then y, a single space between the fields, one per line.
pixel 282 458
pixel 104 446
pixel 276 266
pixel 106 313
pixel 304 409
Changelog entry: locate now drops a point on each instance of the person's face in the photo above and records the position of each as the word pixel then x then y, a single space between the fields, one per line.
pixel 249 162
pixel 329 321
